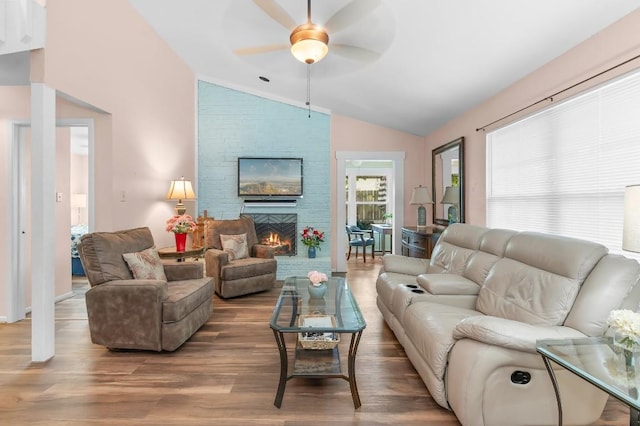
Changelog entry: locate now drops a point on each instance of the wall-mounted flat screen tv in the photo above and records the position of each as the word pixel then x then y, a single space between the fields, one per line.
pixel 269 177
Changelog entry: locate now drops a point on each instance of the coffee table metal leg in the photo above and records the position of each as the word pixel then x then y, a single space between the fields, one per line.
pixel 351 362
pixel 554 382
pixel 284 365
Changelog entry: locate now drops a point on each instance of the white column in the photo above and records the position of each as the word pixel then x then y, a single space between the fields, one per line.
pixel 43 174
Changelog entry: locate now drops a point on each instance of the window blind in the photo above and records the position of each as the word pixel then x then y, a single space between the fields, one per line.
pixel 563 170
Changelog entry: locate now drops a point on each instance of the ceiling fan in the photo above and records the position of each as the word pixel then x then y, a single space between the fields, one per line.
pixel 309 42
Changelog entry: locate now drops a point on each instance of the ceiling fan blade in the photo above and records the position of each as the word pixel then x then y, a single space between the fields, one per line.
pixel 277 13
pixel 352 12
pixel 354 52
pixel 260 49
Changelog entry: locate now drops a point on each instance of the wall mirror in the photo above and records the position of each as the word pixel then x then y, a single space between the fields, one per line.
pixel 448 182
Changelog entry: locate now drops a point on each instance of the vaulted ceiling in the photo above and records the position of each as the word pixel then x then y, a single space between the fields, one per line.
pixel 420 62
pixel 410 65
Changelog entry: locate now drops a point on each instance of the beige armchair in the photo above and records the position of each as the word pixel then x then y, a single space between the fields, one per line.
pixel 160 310
pixel 235 260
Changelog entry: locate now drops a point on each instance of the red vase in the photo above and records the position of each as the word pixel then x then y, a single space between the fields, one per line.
pixel 181 242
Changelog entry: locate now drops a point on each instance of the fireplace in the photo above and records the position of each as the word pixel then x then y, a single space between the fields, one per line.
pixel 277 230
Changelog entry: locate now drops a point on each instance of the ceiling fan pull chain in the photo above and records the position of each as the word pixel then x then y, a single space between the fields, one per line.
pixel 309 88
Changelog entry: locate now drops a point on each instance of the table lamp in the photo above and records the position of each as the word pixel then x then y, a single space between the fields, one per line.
pixel 420 197
pixel 79 201
pixel 181 190
pixel 452 197
pixel 631 224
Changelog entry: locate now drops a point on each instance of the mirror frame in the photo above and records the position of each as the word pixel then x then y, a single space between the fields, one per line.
pixel 438 194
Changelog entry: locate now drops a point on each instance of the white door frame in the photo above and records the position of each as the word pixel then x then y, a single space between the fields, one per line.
pixel 397 159
pixel 16 190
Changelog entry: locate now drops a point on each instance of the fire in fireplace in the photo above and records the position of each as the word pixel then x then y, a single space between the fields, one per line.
pixel 277 230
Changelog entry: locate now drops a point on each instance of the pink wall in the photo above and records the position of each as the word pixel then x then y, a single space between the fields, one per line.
pixel 104 54
pixel 141 97
pixel 348 134
pixel 606 49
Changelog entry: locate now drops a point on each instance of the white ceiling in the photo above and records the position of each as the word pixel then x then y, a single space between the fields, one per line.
pixel 433 59
pixel 438 58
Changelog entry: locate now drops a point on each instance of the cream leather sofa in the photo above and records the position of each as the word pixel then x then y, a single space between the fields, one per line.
pixel 469 317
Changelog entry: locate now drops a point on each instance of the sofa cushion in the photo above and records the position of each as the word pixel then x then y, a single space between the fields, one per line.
pixel 492 247
pixel 456 244
pixel 538 279
pixel 145 265
pixel 183 297
pixel 430 327
pixel 521 292
pixel 101 253
pixel 248 267
pixel 595 300
pixel 404 265
pixel 215 228
pixel 235 245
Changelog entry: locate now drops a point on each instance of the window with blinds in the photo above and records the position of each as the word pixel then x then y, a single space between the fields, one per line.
pixel 563 170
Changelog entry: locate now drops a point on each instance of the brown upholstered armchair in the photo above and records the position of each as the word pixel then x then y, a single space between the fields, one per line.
pixel 159 310
pixel 235 260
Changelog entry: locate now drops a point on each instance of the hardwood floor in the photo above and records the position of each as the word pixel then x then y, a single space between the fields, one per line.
pixel 226 374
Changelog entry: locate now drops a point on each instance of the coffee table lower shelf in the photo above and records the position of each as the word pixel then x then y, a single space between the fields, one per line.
pixel 317 364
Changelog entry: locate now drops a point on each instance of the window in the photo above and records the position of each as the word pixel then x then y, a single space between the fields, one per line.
pixel 367 198
pixel 563 170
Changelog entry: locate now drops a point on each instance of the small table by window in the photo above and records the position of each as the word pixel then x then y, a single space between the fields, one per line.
pixel 171 253
pixel 383 230
pixel 586 358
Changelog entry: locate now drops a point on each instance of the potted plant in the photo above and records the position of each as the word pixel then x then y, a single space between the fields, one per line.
pixel 387 218
pixel 312 238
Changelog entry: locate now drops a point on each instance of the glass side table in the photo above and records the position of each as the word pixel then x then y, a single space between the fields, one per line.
pixel 599 362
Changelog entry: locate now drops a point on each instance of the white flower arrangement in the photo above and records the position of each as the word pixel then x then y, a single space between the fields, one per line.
pixel 626 324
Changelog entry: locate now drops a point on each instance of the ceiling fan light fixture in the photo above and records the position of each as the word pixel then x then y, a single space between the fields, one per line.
pixel 309 43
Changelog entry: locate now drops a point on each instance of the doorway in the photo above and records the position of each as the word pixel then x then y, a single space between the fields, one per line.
pixel 369 191
pixel 75 156
pixel 396 197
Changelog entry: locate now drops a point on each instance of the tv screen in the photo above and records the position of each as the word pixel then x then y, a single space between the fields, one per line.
pixel 269 177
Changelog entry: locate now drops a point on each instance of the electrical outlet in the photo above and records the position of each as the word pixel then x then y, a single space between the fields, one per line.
pixel 123 196
pixel 58 197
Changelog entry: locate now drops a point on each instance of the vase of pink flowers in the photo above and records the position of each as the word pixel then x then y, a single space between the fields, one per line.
pixel 317 284
pixel 181 225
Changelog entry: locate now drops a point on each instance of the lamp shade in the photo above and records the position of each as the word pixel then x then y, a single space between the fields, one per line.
pixel 420 196
pixel 79 201
pixel 451 195
pixel 181 190
pixel 631 224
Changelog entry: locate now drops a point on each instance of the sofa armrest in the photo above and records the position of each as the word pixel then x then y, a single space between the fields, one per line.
pixel 404 265
pixel 449 284
pixel 126 314
pixel 180 271
pixel 214 260
pixel 510 334
pixel 263 251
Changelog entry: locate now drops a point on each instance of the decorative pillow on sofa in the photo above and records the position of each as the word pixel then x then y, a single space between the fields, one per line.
pixel 235 245
pixel 145 265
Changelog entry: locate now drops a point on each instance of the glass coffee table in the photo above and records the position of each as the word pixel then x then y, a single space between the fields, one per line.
pixel 599 362
pixel 317 324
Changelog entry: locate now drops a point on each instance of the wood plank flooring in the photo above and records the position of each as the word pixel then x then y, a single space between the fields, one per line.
pixel 226 374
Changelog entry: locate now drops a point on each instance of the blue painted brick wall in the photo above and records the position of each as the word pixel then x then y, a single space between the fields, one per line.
pixel 234 124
